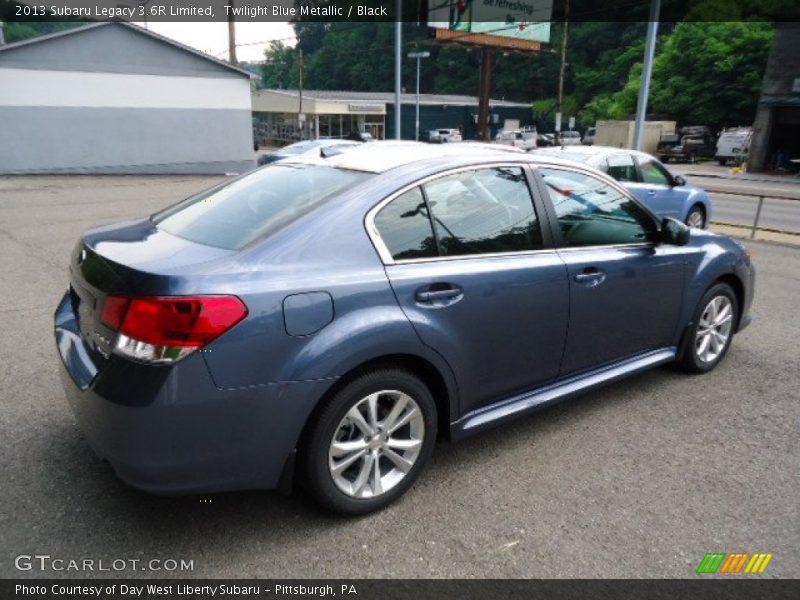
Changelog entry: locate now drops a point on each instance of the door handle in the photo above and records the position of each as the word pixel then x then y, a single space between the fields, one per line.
pixel 590 277
pixel 651 192
pixel 438 291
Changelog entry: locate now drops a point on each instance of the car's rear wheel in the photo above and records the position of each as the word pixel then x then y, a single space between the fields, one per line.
pixel 369 443
pixel 714 324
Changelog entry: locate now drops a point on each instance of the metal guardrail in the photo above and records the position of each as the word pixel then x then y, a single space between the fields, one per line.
pixel 761 197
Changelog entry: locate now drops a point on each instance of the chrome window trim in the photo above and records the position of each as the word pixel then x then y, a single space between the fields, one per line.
pixel 383 250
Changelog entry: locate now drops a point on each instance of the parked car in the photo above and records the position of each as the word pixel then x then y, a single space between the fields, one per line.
pixel 567 138
pixel 518 138
pixel 444 136
pixel 543 140
pixel 689 144
pixel 329 318
pixel 651 182
pixel 733 145
pixel 305 148
pixel 588 136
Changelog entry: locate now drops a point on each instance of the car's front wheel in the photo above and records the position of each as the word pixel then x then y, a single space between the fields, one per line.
pixel 711 334
pixel 696 217
pixel 369 443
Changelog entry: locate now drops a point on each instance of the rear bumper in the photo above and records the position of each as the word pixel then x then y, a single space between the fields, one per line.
pixel 170 430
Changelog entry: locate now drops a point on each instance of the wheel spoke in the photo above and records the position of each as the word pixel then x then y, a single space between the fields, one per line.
pixel 703 346
pixel 410 414
pixel 404 444
pixel 377 484
pixel 372 411
pixel 396 411
pixel 712 310
pixel 363 475
pixel 340 448
pixel 715 345
pixel 724 315
pixel 341 466
pixel 357 419
pixel 402 463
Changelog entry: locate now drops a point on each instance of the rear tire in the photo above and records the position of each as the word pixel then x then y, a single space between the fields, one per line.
pixel 710 336
pixel 370 442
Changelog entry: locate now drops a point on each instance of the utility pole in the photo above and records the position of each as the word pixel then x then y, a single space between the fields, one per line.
pixel 418 56
pixel 562 70
pixel 301 121
pixel 232 38
pixel 398 65
pixel 485 93
pixel 647 73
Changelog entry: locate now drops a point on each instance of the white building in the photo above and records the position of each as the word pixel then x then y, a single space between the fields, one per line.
pixel 115 98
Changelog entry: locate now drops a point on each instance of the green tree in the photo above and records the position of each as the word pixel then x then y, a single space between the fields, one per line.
pixel 280 68
pixel 711 73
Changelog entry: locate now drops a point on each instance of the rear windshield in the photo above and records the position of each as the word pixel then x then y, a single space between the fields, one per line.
pixel 255 205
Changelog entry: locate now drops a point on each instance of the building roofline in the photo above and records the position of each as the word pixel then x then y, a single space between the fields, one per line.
pixel 407 97
pixel 131 26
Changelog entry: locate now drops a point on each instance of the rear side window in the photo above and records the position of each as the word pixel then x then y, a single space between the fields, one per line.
pixel 405 227
pixel 255 205
pixel 483 211
pixel 622 168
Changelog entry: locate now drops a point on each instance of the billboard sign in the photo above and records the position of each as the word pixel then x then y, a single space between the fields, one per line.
pixel 527 20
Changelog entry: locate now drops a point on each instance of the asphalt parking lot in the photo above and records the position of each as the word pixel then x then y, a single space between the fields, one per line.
pixel 640 479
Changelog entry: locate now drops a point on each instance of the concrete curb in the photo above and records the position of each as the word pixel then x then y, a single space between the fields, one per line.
pixel 762 235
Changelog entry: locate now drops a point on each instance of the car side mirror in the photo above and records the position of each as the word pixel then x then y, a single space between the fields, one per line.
pixel 678 180
pixel 674 232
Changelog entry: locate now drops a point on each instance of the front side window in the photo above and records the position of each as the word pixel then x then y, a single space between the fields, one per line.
pixel 483 211
pixel 654 173
pixel 593 213
pixel 405 227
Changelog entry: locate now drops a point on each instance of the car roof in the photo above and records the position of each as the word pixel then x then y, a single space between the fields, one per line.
pixel 590 151
pixel 379 157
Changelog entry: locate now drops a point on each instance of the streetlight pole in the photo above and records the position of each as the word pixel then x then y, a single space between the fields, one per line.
pixel 398 65
pixel 418 56
pixel 647 73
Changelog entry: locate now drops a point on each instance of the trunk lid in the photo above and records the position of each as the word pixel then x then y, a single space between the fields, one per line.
pixel 133 258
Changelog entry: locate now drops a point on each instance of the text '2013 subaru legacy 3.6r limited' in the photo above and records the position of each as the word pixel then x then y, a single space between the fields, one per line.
pixel 324 320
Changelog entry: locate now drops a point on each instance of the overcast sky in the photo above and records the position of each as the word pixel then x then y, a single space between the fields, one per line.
pixel 212 38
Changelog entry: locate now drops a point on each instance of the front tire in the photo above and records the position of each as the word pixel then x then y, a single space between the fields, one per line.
pixel 714 324
pixel 370 442
pixel 696 217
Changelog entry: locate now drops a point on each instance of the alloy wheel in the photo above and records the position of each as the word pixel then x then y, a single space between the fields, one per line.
pixel 714 329
pixel 376 444
pixel 695 219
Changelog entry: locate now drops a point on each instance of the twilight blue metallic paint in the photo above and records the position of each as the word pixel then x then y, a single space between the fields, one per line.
pixel 322 304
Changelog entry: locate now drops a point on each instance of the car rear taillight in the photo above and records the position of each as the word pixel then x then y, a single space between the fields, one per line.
pixel 163 329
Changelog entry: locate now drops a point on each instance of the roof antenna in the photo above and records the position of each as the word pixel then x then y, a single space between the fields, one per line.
pixel 328 151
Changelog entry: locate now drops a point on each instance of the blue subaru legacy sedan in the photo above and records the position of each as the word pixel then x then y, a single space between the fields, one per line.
pixel 667 195
pixel 324 320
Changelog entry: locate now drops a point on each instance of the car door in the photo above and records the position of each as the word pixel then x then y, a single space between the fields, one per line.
pixel 656 189
pixel 473 270
pixel 625 290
